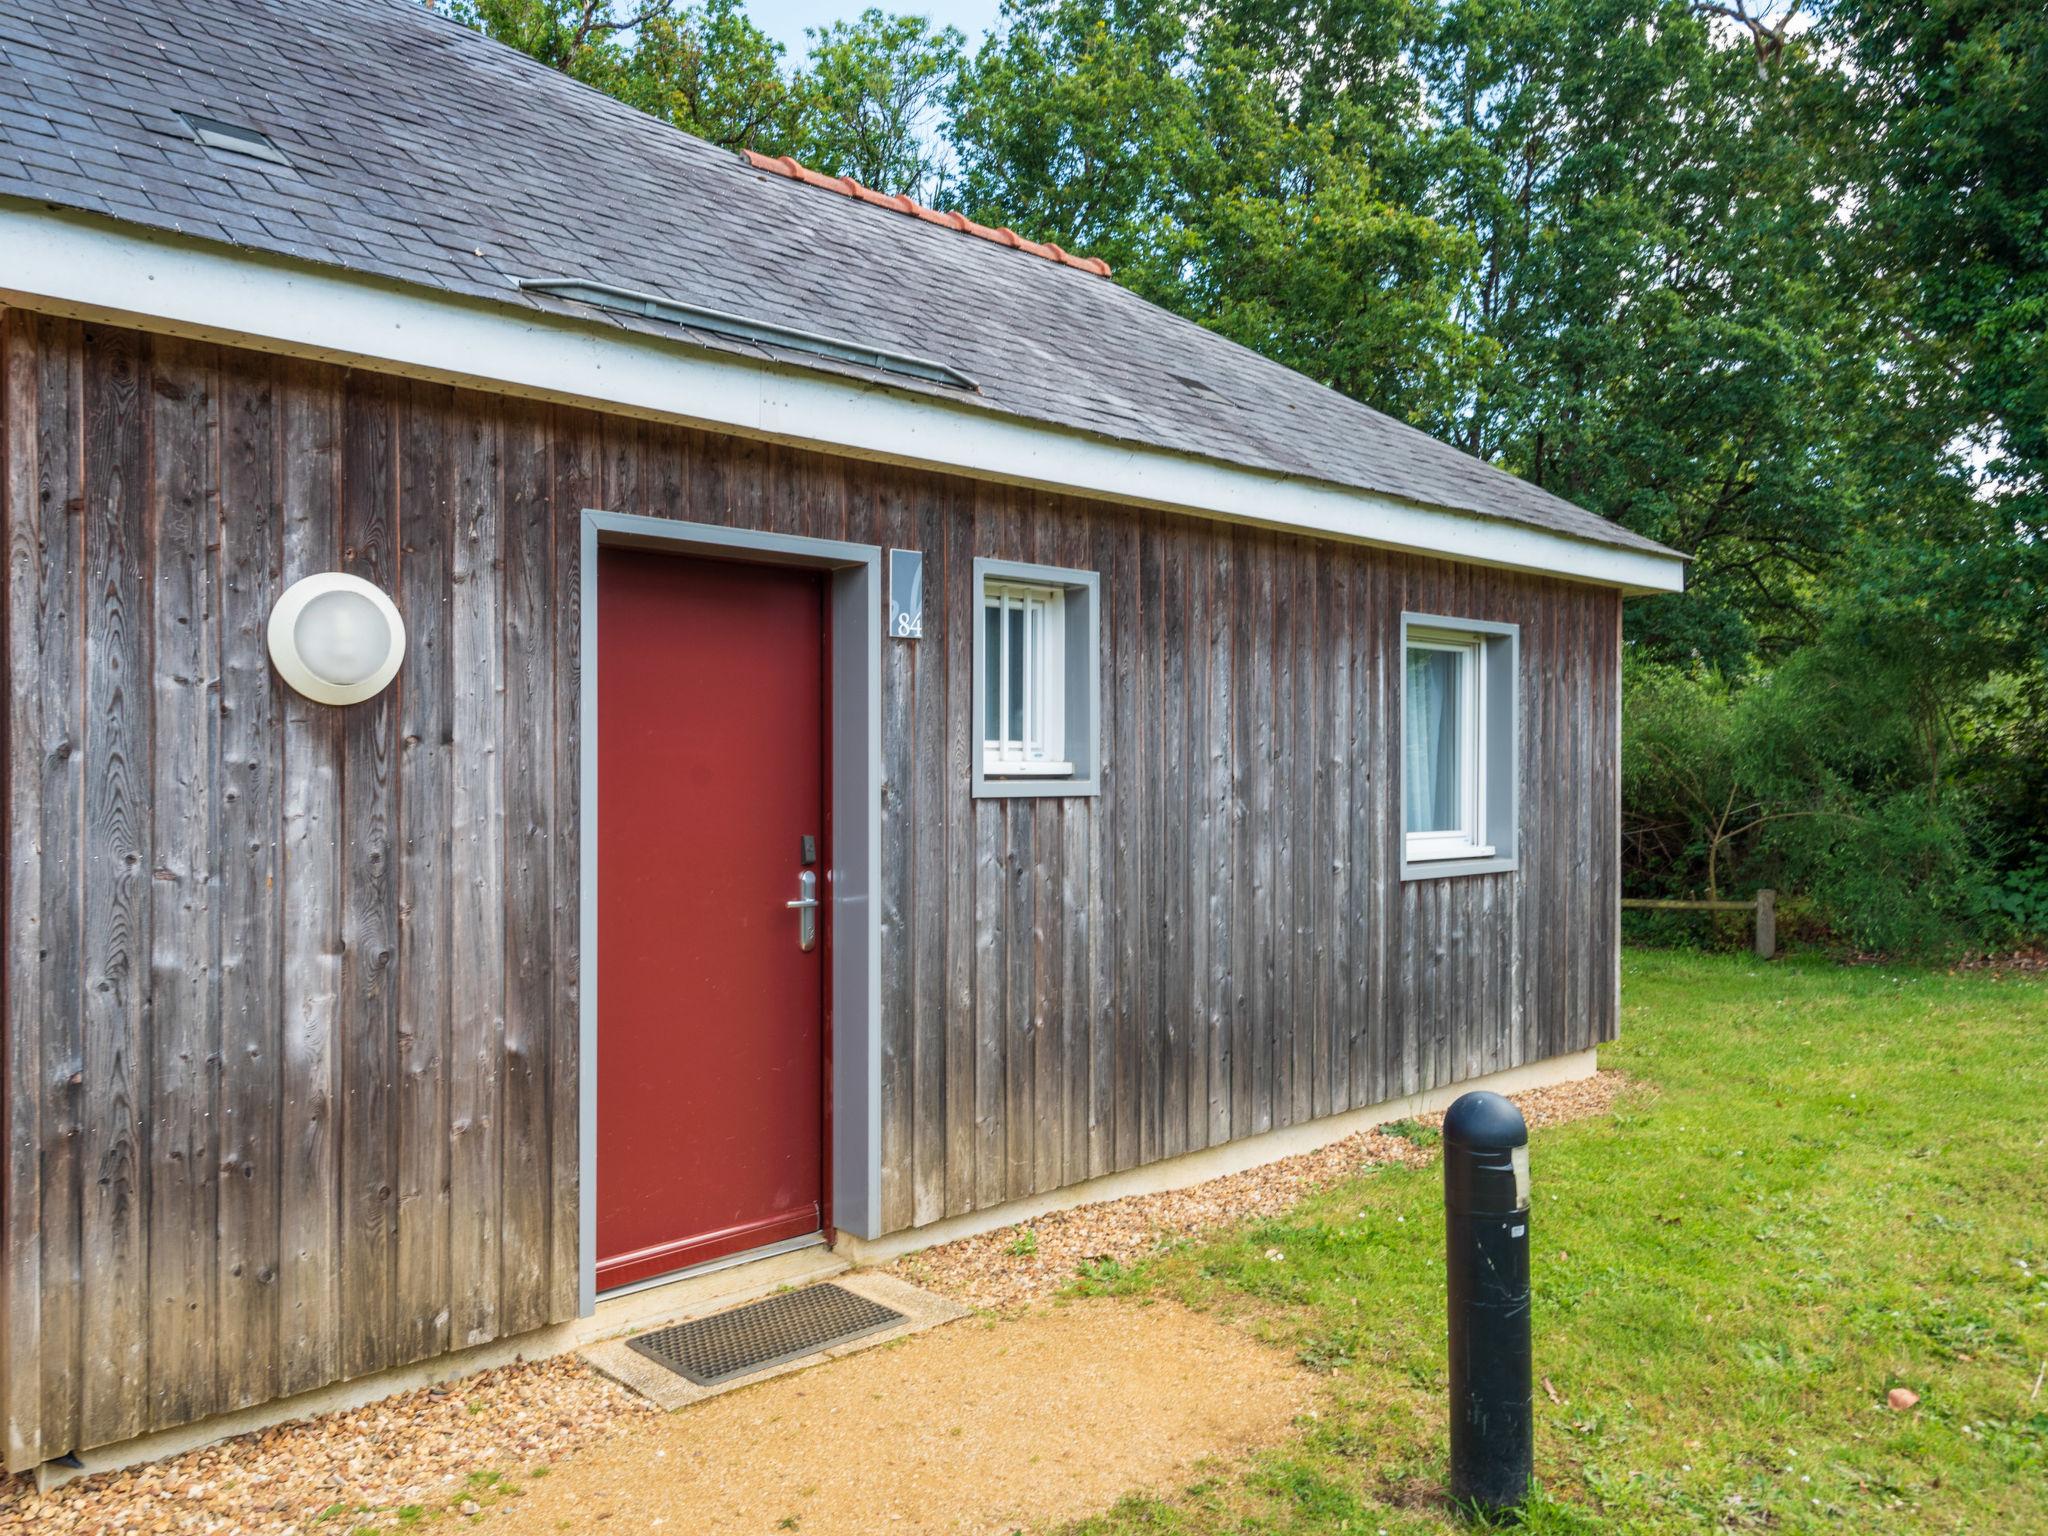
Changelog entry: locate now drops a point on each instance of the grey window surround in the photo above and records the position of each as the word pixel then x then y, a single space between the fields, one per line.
pixel 1083 687
pixel 854 598
pixel 1501 652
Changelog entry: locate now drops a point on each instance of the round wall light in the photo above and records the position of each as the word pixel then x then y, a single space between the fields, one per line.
pixel 336 638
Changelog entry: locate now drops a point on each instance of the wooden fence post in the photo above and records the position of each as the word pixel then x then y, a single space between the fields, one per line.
pixel 1766 924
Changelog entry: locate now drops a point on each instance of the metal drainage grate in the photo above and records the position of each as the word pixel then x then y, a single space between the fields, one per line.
pixel 764 1333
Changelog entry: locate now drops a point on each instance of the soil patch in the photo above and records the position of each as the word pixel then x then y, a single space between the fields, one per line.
pixel 984 1426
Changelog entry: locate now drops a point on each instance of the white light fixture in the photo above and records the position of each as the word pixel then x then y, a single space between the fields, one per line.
pixel 336 638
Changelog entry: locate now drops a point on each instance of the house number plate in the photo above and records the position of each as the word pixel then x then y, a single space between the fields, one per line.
pixel 906 594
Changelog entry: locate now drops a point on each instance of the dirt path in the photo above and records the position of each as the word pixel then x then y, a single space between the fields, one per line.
pixel 983 1426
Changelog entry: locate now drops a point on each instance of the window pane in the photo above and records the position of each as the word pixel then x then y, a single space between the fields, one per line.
pixel 1016 721
pixel 1431 748
pixel 992 672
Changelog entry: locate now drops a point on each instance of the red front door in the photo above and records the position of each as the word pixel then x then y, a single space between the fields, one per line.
pixel 710 1022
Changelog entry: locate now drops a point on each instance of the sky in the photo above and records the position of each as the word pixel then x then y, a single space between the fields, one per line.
pixel 785 20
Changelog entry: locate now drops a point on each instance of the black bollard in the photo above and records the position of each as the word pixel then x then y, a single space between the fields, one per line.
pixel 1486 1270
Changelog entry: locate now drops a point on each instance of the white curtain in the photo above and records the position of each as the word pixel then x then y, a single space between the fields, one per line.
pixel 1430 768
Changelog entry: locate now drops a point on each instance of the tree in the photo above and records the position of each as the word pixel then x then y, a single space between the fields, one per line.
pixel 705 68
pixel 1682 341
pixel 1953 96
pixel 869 100
pixel 1147 134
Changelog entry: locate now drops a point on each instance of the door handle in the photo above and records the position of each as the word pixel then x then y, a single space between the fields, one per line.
pixel 806 907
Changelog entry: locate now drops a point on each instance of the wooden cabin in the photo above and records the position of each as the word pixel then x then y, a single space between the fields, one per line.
pixel 581 708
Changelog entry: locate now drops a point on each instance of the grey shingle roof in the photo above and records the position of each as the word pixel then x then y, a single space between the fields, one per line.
pixel 423 152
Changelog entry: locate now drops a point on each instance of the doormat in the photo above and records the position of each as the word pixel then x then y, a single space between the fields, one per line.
pixel 763 1334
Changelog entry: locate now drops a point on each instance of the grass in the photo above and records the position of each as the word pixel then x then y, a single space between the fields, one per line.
pixel 1833 1182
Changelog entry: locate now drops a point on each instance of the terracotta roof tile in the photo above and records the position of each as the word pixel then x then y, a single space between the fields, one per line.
pixel 785 165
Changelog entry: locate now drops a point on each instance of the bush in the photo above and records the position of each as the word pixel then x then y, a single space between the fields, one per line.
pixel 1829 780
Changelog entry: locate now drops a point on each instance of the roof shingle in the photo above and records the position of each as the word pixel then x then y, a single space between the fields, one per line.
pixel 423 151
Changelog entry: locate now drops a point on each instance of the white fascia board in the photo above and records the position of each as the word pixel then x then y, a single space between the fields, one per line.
pixel 101 269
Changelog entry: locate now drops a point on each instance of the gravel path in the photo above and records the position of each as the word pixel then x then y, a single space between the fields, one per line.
pixel 463 1447
pixel 1018 1265
pixel 439 1448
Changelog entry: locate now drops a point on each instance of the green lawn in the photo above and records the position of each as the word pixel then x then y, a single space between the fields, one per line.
pixel 1834 1181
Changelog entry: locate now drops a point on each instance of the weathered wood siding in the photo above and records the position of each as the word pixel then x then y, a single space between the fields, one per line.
pixel 290 991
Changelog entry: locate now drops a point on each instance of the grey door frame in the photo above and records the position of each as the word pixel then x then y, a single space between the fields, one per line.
pixel 853 584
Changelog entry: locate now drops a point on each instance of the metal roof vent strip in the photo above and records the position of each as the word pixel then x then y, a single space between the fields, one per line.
pixel 233 138
pixel 651 306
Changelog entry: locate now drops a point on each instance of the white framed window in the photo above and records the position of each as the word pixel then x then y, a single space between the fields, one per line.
pixel 1458 745
pixel 1036 651
pixel 1444 766
pixel 1024 674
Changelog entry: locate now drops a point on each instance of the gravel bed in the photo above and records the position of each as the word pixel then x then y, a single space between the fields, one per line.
pixel 1015 1266
pixel 454 1448
pixel 462 1447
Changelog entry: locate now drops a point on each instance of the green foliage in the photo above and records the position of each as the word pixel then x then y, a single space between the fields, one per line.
pixel 1955 97
pixel 868 100
pixel 1886 771
pixel 1801 781
pixel 2014 902
pixel 864 104
pixel 1151 136
pixel 705 68
pixel 1413 1131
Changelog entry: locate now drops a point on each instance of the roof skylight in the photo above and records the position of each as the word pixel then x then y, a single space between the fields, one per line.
pixel 675 312
pixel 233 138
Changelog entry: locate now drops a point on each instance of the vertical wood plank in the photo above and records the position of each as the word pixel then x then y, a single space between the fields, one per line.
pixel 529 916
pixel 1020 920
pixel 1303 878
pixel 184 981
pixel 991 930
pixel 42 1285
pixel 1104 869
pixel 578 436
pixel 426 727
pixel 1606 982
pixel 1168 845
pixel 1127 834
pixel 1145 811
pixel 1194 809
pixel 1269 1055
pixel 1331 923
pixel 1105 970
pixel 476 865
pixel 898 893
pixel 931 905
pixel 1221 802
pixel 309 1275
pixel 955 576
pixel 1389 590
pixel 114 945
pixel 1245 991
pixel 1396 1002
pixel 251 534
pixel 1078 902
pixel 1283 805
pixel 1047 1134
pixel 22 1009
pixel 369 993
pixel 528 792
